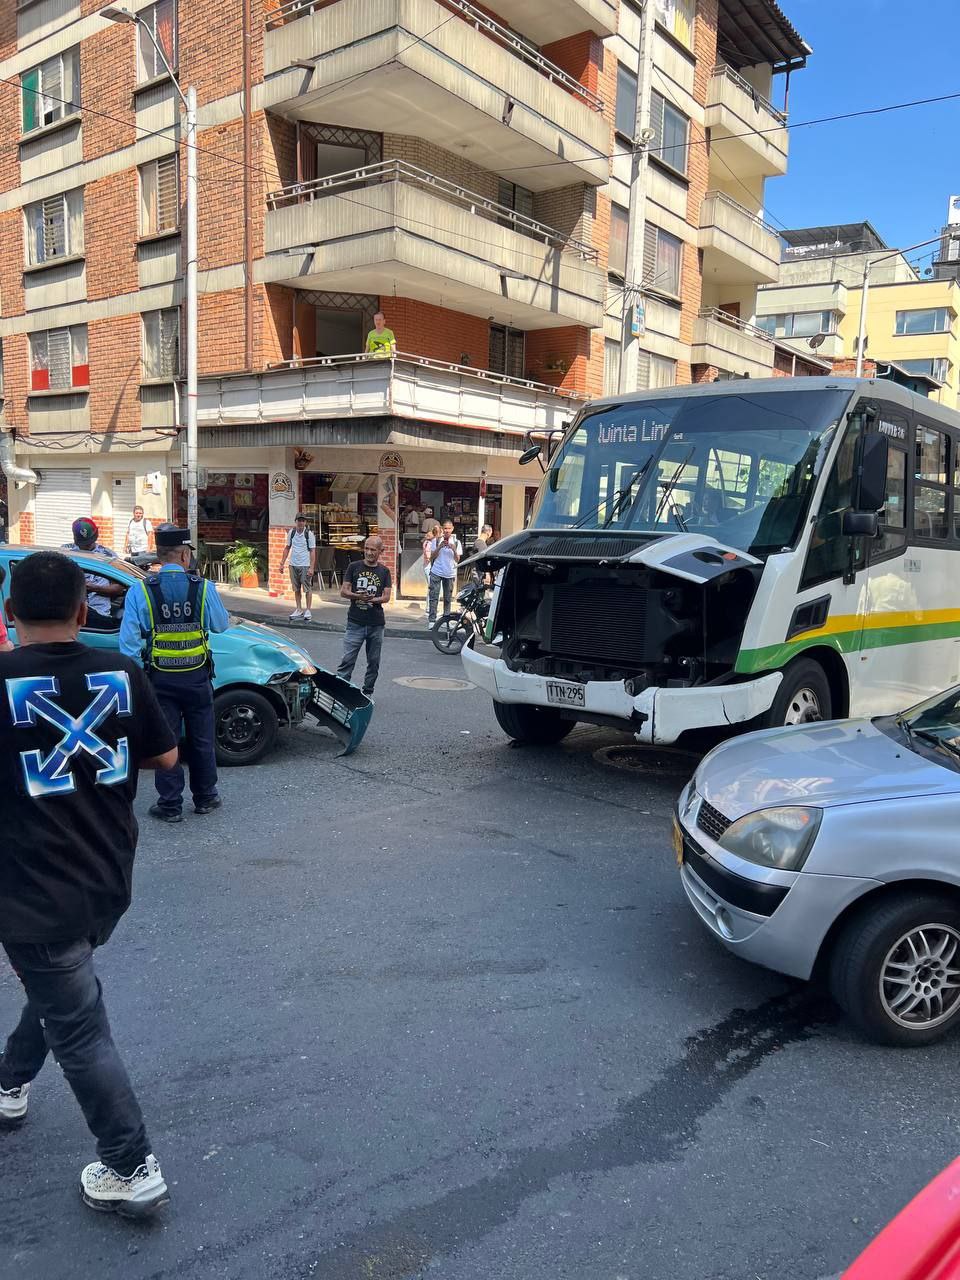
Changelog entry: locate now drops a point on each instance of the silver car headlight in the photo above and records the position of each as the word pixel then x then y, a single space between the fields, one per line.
pixel 779 838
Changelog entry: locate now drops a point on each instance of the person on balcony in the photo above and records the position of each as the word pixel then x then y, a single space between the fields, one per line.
pixel 380 340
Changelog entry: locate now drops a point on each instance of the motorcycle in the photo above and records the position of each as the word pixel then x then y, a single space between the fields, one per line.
pixel 454 629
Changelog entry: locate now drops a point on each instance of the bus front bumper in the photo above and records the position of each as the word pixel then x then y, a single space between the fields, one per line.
pixel 655 715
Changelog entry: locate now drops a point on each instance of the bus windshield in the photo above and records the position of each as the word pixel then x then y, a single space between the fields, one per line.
pixel 740 468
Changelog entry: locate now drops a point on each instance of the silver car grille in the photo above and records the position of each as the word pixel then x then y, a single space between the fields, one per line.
pixel 711 821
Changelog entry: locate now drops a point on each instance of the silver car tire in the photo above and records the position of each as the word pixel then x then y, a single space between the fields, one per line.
pixel 895 969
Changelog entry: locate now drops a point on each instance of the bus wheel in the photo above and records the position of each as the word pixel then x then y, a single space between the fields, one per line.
pixel 535 725
pixel 803 697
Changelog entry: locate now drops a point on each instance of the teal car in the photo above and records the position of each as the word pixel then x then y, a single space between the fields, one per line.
pixel 262 681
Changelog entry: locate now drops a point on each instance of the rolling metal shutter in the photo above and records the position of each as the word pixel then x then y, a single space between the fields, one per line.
pixel 62 496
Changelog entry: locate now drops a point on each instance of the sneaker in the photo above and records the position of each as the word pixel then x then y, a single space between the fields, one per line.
pixel 207 806
pixel 307 615
pixel 165 815
pixel 297 613
pixel 134 1197
pixel 13 1105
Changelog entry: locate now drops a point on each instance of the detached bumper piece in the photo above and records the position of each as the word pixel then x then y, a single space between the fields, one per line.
pixel 923 1240
pixel 341 707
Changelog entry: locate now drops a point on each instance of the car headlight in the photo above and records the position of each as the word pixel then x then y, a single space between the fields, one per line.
pixel 779 838
pixel 308 669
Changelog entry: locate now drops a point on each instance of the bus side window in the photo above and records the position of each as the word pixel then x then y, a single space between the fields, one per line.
pixel 829 554
pixel 930 484
pixel 893 517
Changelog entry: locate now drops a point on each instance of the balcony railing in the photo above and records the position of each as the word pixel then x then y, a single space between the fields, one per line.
pixel 742 209
pixel 734 322
pixel 503 36
pixel 759 101
pixel 399 171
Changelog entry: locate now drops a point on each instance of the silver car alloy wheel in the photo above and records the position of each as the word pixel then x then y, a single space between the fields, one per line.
pixel 919 977
pixel 804 708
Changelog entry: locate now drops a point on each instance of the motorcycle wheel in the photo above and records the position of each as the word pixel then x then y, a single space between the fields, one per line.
pixel 451 632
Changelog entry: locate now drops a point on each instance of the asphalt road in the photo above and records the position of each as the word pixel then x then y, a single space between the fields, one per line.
pixel 440 1010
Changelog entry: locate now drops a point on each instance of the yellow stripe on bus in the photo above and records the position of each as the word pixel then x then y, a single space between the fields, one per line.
pixel 846 622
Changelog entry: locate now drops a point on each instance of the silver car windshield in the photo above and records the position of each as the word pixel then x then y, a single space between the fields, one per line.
pixel 936 721
pixel 740 468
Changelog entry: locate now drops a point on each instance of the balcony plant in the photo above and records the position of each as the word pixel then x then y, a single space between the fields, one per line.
pixel 244 564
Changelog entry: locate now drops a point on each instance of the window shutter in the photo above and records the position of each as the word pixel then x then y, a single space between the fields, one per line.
pixel 515 354
pixel 54 227
pixel 58 358
pixel 169 343
pixel 643 370
pixel 51 89
pixel 656 122
pixel 524 202
pixel 649 252
pixel 29 90
pixel 498 349
pixel 168 195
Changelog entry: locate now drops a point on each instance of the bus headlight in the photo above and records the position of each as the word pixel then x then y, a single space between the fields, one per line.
pixel 779 838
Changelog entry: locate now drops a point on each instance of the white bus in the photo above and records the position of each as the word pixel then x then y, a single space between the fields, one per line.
pixel 749 553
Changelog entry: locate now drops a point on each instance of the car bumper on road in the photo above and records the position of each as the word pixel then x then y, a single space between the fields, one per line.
pixel 656 715
pixel 774 919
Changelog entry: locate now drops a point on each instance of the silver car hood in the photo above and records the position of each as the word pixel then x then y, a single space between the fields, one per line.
pixel 840 762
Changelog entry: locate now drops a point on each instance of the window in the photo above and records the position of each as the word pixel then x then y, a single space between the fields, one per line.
pixel 830 552
pixel 938 368
pixel 931 320
pixel 626 112
pixel 930 487
pixel 617 251
pixel 159 196
pixel 160 21
pixel 507 351
pixel 161 343
pixel 673 130
pixel 519 199
pixel 54 227
pixel 58 359
pixel 51 91
pixel 611 367
pixel 663 372
pixel 662 258
pixel 678 17
pixel 798 324
pixel 893 518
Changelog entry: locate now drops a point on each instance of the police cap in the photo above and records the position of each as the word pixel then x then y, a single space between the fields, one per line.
pixel 169 536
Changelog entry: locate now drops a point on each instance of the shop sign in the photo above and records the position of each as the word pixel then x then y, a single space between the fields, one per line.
pixel 281 486
pixel 638 320
pixel 391 462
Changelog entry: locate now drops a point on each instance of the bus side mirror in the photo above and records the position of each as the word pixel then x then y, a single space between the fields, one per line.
pixel 860 524
pixel 529 455
pixel 872 478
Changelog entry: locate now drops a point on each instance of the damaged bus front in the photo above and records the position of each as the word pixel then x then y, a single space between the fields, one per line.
pixel 661 554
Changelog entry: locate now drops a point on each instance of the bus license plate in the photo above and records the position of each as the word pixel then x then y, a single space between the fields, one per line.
pixel 566 695
pixel 677 843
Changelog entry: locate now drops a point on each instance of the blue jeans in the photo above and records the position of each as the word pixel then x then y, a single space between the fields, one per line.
pixel 187 701
pixel 353 641
pixel 65 1015
pixel 436 583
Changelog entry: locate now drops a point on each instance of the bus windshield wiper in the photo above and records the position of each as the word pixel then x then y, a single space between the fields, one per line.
pixel 617 501
pixel 668 488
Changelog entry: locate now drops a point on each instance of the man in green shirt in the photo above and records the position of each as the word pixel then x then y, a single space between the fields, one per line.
pixel 380 340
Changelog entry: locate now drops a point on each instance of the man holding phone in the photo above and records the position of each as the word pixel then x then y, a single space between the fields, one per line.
pixel 445 554
pixel 367 585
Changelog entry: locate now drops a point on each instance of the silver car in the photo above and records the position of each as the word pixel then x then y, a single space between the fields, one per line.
pixel 836 847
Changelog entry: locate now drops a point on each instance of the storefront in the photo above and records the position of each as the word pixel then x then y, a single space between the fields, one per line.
pixel 232 506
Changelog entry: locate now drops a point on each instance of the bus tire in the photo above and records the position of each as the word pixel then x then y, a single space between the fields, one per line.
pixel 803 697
pixel 537 726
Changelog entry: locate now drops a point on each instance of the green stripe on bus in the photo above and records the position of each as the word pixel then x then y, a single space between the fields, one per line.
pixel 772 656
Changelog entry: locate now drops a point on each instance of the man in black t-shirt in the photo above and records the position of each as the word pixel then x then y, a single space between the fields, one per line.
pixel 367 585
pixel 76 725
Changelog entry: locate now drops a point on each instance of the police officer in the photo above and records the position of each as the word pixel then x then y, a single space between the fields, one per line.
pixel 175 610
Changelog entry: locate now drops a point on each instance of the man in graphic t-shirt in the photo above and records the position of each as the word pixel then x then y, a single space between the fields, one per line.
pixel 380 340
pixel 76 726
pixel 367 585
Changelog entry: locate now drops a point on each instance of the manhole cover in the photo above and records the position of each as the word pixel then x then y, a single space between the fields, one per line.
pixel 638 759
pixel 444 684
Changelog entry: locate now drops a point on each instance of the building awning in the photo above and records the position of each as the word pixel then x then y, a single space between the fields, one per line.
pixel 753 31
pixel 346 432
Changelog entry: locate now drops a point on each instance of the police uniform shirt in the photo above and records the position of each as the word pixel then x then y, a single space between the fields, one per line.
pixel 175 583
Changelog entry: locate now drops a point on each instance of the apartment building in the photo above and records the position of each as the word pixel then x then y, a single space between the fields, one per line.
pixel 912 316
pixel 468 171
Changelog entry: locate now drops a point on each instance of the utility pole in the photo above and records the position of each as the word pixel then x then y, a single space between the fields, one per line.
pixel 636 218
pixel 868 264
pixel 188 97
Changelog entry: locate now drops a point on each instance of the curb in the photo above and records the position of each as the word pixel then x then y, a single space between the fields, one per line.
pixel 269 620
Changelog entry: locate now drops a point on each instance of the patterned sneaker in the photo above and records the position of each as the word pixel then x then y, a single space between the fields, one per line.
pixel 13 1105
pixel 133 1197
pixel 297 613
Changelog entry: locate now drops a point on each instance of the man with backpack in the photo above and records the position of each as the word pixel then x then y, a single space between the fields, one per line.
pixel 301 549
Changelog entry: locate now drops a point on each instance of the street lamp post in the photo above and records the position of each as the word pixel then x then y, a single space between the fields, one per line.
pixel 868 264
pixel 189 99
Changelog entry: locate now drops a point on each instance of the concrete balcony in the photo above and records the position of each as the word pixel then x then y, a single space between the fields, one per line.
pixel 410 387
pixel 548 20
pixel 394 225
pixel 731 345
pixel 749 133
pixel 446 73
pixel 737 245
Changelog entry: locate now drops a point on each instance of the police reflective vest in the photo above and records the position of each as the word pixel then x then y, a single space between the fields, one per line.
pixel 178 637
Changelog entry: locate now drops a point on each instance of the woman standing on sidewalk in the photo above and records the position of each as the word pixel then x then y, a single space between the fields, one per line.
pixel 433 532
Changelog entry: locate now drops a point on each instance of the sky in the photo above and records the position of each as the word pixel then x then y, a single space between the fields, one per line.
pixel 895 170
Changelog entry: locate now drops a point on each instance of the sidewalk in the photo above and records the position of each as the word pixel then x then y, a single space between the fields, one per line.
pixel 405 618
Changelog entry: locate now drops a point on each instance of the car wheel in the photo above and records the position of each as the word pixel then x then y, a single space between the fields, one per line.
pixel 537 726
pixel 895 970
pixel 246 725
pixel 803 697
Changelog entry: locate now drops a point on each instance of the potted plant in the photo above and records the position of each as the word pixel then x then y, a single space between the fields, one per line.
pixel 244 564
